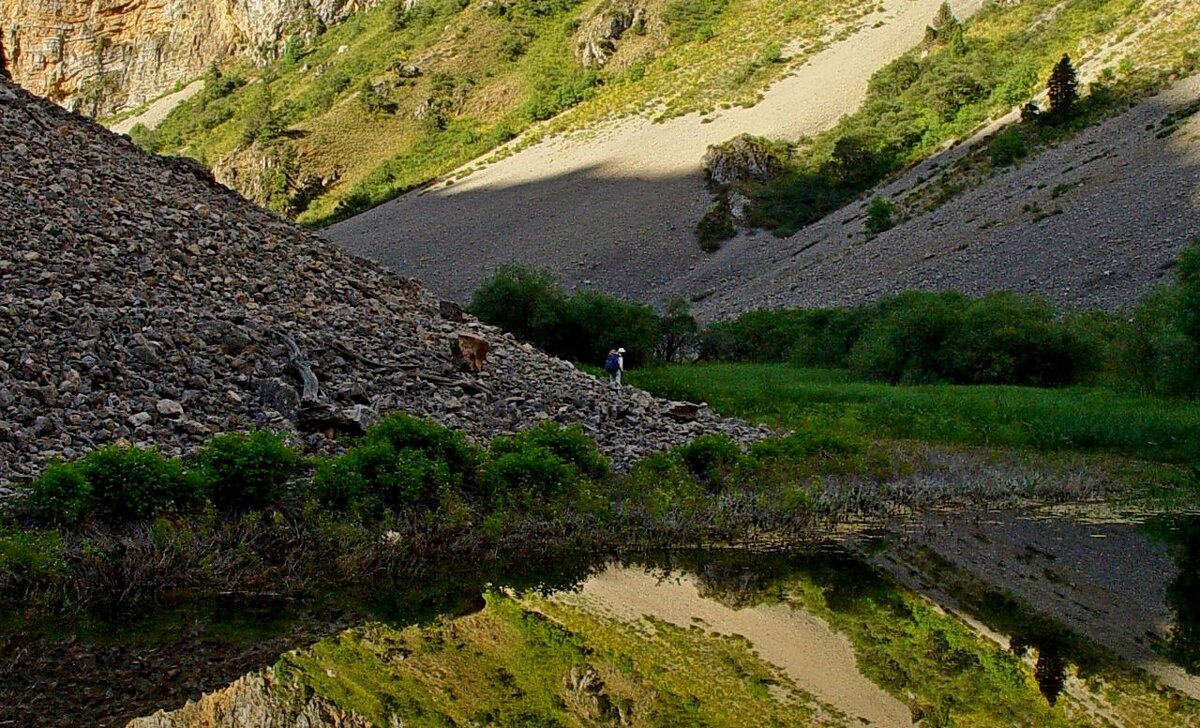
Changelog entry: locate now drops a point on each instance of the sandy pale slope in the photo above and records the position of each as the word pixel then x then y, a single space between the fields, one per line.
pixel 616 209
pixel 819 660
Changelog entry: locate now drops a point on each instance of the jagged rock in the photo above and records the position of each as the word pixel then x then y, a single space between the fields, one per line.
pixel 278 395
pixel 743 158
pixel 238 307
pixel 169 408
pixel 684 411
pixel 597 37
pixel 451 311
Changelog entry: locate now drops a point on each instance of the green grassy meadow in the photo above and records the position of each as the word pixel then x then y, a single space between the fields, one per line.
pixel 1078 419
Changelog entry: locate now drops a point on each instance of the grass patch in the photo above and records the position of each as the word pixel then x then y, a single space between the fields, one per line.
pixel 1079 419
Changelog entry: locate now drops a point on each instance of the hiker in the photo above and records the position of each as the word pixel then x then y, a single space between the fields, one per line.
pixel 614 364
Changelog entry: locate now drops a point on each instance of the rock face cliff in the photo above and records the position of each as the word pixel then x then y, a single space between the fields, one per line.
pixel 98 56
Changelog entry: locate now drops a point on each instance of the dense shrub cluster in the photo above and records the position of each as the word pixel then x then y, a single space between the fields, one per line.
pixel 244 471
pixel 581 327
pixel 1163 349
pixel 1001 338
pixel 117 484
pixel 113 484
pixel 402 465
pixel 917 337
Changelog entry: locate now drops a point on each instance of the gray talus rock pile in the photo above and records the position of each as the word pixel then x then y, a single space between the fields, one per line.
pixel 141 302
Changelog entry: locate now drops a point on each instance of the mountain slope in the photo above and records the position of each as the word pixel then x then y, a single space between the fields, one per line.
pixel 1096 223
pixel 141 302
pixel 615 207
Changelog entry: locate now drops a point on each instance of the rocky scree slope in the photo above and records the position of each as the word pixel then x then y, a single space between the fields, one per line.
pixel 97 57
pixel 141 302
pixel 1094 222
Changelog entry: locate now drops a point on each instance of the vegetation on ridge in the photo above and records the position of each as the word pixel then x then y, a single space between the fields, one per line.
pixel 388 100
pixel 963 76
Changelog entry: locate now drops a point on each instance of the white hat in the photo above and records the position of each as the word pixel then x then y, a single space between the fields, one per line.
pixel 620 351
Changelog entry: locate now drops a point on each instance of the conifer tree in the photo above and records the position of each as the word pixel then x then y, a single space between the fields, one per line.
pixel 944 26
pixel 1063 88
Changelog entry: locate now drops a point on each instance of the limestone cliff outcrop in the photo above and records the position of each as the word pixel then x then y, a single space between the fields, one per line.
pixel 98 56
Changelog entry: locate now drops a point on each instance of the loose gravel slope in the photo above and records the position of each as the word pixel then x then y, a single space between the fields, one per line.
pixel 141 302
pixel 616 207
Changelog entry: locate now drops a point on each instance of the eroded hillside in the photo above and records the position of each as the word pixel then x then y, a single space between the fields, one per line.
pixel 141 302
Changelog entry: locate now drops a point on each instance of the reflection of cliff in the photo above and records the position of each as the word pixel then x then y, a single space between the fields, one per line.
pixel 97 56
pixel 255 700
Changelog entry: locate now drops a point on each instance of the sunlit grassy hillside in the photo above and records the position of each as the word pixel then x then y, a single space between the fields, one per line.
pixel 390 99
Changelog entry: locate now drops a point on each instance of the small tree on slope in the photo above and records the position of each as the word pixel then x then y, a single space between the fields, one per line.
pixel 1063 88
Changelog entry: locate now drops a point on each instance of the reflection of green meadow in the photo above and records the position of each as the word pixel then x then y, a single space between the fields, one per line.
pixel 514 662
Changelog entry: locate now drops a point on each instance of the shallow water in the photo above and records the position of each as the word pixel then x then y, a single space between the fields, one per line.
pixel 919 623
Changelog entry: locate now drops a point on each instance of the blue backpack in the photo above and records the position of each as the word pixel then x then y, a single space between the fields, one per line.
pixel 612 363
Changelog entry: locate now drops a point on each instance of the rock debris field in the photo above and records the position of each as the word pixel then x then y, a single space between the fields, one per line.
pixel 141 302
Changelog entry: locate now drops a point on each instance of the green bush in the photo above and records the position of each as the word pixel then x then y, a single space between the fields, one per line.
pixel 907 341
pixel 1162 357
pixel 524 301
pixel 693 19
pixel 826 336
pixel 246 471
pixel 661 483
pixel 593 323
pixel 401 463
pixel 753 336
pixel 217 85
pixel 62 494
pixel 524 474
pixel 558 90
pixel 1008 147
pixel 569 444
pixel 129 483
pixel 710 459
pixel 1162 347
pixel 716 226
pixel 1005 338
pixel 582 327
pixel 879 215
pixel 31 555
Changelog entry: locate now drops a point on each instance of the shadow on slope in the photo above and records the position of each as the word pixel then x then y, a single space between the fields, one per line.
pixel 617 233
